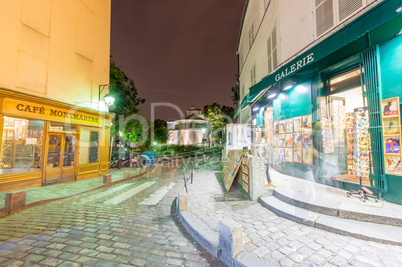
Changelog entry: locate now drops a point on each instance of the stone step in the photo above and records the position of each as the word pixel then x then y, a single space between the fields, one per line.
pixel 347 210
pixel 382 233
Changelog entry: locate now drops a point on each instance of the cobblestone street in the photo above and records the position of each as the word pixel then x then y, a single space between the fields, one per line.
pixel 280 241
pixel 112 226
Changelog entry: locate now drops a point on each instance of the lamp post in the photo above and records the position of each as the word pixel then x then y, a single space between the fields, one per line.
pixel 203 139
pixel 120 141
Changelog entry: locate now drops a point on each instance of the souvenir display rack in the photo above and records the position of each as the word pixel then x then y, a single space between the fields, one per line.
pixel 361 151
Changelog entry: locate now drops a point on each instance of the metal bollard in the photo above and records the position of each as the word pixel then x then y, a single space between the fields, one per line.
pixel 185 182
pixel 192 172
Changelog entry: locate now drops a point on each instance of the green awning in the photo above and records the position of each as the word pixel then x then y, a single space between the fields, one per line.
pixel 243 104
pixel 357 29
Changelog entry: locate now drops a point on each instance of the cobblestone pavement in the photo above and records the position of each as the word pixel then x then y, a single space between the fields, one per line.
pixel 281 241
pixel 114 226
pixel 68 189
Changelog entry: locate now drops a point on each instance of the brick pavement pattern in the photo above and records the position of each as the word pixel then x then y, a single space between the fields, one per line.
pixel 280 241
pixel 72 232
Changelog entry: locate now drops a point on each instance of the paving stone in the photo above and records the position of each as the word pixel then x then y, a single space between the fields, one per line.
pixel 53 253
pixel 286 262
pixel 106 256
pixel 103 263
pixel 68 256
pixel 87 260
pixel 261 251
pixel 33 258
pixel 176 262
pixel 338 261
pixel 316 259
pixel 51 262
pixel 13 263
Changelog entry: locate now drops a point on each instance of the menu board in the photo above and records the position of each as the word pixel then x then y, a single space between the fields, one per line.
pixel 245 170
pixel 391 125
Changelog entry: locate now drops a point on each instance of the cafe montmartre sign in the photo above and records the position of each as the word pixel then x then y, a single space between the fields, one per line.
pixel 32 110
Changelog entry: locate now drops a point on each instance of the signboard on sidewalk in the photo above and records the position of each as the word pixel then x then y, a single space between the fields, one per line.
pixel 231 167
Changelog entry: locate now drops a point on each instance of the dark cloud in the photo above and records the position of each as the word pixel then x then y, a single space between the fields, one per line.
pixel 177 51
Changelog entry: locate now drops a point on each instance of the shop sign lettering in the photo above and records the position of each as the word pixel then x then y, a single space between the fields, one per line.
pixel 295 67
pixel 55 113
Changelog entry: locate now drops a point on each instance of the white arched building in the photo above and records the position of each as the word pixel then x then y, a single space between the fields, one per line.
pixel 192 130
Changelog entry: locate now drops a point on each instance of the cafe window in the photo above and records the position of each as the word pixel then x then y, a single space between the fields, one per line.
pixel 89 145
pixel 21 145
pixel 93 150
pixel 63 127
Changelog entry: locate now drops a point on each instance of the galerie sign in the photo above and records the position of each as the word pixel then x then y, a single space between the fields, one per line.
pixel 27 109
pixel 295 67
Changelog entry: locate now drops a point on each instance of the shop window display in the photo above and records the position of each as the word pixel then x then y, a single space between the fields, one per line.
pixel 21 145
pixel 292 138
pixel 345 140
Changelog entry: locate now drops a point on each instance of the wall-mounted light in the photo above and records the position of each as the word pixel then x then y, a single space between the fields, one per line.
pixel 287 87
pixel 399 10
pixel 301 89
pixel 256 108
pixel 272 95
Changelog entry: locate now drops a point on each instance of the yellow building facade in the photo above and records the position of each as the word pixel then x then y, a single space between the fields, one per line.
pixel 55 127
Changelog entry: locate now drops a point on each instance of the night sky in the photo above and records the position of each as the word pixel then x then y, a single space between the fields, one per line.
pixel 178 51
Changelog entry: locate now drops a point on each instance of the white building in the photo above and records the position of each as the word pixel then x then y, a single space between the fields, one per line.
pixel 192 130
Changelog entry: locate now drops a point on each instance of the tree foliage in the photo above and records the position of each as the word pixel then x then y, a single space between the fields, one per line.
pixel 236 92
pixel 219 116
pixel 161 132
pixel 123 89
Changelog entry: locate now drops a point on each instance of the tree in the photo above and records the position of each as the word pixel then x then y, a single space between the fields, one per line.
pixel 236 93
pixel 123 89
pixel 219 116
pixel 161 132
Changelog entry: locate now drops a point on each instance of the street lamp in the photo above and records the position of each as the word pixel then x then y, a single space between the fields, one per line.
pixel 109 99
pixel 120 141
pixel 203 139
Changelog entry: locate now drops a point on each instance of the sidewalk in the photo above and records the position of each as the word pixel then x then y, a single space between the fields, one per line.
pixel 67 189
pixel 280 241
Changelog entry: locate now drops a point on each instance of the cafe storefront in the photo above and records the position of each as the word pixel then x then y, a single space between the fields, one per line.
pixel 46 142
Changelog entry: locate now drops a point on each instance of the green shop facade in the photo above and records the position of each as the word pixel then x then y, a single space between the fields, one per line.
pixel 332 114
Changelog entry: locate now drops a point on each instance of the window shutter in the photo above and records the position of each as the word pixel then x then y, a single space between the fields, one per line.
pixel 348 7
pixel 269 55
pixel 324 15
pixel 274 50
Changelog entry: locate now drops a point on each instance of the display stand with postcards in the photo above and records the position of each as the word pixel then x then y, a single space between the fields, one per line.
pixel 361 151
pixel 245 170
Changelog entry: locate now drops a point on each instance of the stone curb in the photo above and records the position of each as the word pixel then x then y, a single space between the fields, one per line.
pixel 200 232
pixel 4 212
pixel 209 240
pixel 381 233
pixel 341 210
